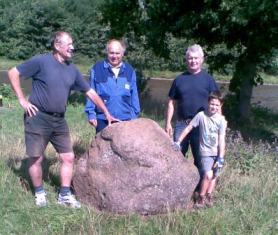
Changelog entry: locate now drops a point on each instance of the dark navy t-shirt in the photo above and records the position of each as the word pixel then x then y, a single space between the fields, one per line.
pixel 52 82
pixel 191 92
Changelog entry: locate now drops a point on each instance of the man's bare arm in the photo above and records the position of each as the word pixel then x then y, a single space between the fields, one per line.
pixel 14 78
pixel 169 116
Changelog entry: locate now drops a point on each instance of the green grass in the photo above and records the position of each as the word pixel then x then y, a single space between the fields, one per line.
pixel 269 79
pixel 6 64
pixel 246 196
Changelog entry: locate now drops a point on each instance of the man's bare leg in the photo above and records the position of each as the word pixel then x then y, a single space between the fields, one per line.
pixel 35 170
pixel 66 169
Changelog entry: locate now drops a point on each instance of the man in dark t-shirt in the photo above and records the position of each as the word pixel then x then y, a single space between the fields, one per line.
pixel 189 94
pixel 53 77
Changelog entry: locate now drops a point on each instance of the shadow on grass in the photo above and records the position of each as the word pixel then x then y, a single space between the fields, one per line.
pixel 20 167
pixel 261 126
pixel 79 148
pixel 50 167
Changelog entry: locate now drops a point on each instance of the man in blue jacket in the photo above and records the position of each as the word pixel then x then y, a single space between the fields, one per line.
pixel 115 82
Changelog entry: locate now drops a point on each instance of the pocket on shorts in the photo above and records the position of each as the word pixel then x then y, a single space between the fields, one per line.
pixel 33 124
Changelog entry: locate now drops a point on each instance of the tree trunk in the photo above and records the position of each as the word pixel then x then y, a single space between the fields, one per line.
pixel 249 72
pixel 242 84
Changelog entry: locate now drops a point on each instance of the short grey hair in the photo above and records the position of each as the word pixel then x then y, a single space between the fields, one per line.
pixel 195 48
pixel 56 38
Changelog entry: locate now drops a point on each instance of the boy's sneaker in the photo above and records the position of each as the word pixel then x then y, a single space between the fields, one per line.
pixel 201 203
pixel 40 199
pixel 68 200
pixel 209 200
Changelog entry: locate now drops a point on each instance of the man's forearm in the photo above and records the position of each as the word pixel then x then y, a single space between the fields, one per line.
pixel 185 133
pixel 170 113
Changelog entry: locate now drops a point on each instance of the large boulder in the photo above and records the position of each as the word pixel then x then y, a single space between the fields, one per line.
pixel 132 168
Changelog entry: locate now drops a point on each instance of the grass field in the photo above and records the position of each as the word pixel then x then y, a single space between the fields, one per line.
pixel 246 196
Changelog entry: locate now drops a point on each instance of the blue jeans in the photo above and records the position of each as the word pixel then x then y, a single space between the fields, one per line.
pixel 191 139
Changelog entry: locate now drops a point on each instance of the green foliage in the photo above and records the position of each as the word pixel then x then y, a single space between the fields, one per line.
pixel 36 20
pixel 246 156
pixel 165 26
pixel 6 91
pixel 237 25
pixel 245 29
pixel 271 64
pixel 33 22
pixel 84 23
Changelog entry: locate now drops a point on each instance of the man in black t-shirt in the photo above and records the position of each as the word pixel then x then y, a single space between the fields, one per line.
pixel 189 94
pixel 53 77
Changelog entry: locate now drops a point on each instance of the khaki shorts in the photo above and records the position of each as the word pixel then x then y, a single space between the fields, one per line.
pixel 44 128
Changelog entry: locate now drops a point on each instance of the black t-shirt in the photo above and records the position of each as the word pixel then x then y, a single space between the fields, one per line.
pixel 52 82
pixel 191 92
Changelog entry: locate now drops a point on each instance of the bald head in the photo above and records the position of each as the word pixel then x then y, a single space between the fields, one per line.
pixel 115 51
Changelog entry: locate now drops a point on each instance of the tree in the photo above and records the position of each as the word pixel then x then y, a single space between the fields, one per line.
pixel 247 28
pixel 90 36
pixel 26 27
pixel 33 21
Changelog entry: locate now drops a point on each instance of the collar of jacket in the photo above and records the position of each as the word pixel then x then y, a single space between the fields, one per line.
pixel 106 65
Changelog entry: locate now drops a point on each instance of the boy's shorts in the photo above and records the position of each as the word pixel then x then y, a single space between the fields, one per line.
pixel 44 128
pixel 208 162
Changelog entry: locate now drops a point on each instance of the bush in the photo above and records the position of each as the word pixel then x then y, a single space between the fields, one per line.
pixel 246 156
pixel 6 91
pixel 272 67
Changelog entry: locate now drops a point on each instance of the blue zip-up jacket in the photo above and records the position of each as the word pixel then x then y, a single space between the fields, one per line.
pixel 119 94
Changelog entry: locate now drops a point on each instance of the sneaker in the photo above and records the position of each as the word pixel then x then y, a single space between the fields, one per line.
pixel 68 200
pixel 209 200
pixel 201 203
pixel 40 199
